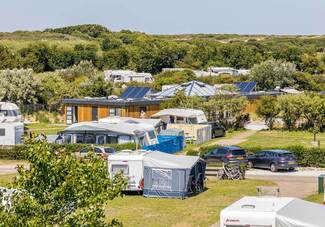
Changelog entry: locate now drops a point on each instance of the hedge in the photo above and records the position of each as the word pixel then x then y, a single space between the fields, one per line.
pixel 16 152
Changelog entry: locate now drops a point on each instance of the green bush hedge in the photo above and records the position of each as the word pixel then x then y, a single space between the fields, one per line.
pixel 16 152
pixel 306 157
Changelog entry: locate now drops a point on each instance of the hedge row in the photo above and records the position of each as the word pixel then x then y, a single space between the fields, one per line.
pixel 16 152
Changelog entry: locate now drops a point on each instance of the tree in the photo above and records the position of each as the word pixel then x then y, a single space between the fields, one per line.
pixel 313 109
pixel 291 110
pixel 272 73
pixel 268 109
pixel 173 77
pixel 18 86
pixel 60 190
pixel 96 87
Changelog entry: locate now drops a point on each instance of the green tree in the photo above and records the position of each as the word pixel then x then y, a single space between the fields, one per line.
pixel 268 109
pixel 272 73
pixel 60 190
pixel 291 110
pixel 173 77
pixel 96 86
pixel 180 100
pixel 18 86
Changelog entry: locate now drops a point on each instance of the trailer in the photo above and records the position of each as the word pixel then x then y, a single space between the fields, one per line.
pixel 131 164
pixel 11 133
pixel 272 212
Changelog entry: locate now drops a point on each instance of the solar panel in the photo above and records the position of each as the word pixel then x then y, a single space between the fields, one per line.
pixel 135 92
pixel 245 87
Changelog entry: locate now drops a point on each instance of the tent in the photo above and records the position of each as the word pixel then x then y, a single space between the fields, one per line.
pixel 172 176
pixel 273 212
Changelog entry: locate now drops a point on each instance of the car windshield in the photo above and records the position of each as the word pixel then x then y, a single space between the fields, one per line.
pixel 286 155
pixel 109 150
pixel 238 152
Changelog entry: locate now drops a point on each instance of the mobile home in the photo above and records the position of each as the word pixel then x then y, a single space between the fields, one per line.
pixel 11 133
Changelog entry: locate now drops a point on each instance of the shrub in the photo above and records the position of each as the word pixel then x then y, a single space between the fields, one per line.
pixel 192 153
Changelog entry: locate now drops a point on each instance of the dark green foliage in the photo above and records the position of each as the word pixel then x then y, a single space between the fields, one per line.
pixel 93 30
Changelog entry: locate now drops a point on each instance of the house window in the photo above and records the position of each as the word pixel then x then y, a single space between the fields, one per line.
pixel 72 114
pixel 94 113
pixel 114 112
pixel 2 132
pixel 161 179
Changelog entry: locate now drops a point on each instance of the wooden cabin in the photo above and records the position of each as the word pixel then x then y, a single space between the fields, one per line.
pixel 92 109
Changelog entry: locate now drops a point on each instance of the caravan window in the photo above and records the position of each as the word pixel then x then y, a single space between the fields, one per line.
pixel 152 134
pixel 120 168
pixel 2 132
pixel 101 139
pixel 192 120
pixel 90 139
pixel 161 179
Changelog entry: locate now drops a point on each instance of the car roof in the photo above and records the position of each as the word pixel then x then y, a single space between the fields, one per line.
pixel 279 151
pixel 232 147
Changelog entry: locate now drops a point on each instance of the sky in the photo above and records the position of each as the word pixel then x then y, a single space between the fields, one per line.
pixel 169 16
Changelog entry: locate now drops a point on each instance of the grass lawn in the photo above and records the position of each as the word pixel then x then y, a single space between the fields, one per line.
pixel 6 179
pixel 279 138
pixel 199 210
pixel 47 129
pixel 317 198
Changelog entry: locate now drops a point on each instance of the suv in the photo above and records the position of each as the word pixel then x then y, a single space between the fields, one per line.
pixel 103 152
pixel 226 154
pixel 273 160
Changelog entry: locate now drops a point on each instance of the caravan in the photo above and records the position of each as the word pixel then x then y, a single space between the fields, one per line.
pixel 9 112
pixel 272 212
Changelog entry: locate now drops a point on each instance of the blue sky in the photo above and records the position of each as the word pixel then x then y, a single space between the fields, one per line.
pixel 169 16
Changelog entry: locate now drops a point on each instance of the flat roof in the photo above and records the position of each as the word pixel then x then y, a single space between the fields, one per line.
pixel 112 102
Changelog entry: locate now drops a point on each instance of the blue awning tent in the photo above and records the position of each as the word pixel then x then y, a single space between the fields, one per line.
pixel 172 176
pixel 167 144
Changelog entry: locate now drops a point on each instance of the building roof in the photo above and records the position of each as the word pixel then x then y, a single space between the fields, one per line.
pixel 112 101
pixel 246 87
pixel 135 92
pixel 192 88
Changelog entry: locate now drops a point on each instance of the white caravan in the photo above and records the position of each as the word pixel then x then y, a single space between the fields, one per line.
pixel 181 116
pixel 131 164
pixel 11 133
pixel 9 112
pixel 272 212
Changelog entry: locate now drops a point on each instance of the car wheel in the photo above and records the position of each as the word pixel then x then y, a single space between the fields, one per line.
pixel 273 167
pixel 250 164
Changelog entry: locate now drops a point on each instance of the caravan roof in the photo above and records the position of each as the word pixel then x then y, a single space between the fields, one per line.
pixel 128 155
pixel 179 113
pixel 131 120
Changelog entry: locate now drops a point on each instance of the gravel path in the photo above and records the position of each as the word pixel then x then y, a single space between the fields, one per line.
pixel 242 137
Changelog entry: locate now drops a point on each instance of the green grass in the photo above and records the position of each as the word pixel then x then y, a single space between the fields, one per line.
pixel 199 210
pixel 7 179
pixel 47 129
pixel 268 139
pixel 316 198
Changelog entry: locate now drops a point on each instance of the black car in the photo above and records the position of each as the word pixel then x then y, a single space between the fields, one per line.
pixel 273 160
pixel 226 154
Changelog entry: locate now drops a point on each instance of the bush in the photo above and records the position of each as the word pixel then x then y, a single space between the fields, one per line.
pixel 192 153
pixel 306 157
pixel 15 152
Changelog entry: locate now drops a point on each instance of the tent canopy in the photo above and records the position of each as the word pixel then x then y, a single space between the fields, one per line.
pixel 163 160
pixel 300 213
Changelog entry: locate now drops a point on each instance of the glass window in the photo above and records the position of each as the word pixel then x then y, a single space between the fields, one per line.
pixel 67 138
pixel 120 168
pixel 90 139
pixel 101 139
pixel 80 138
pixel 286 155
pixel 161 179
pixel 238 152
pixel 97 150
pixel 2 132
pixel 192 120
pixel 221 151
pixel 94 113
pixel 109 150
pixel 152 134
pixel 114 112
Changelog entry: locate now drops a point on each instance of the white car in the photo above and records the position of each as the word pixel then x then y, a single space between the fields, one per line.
pixel 103 152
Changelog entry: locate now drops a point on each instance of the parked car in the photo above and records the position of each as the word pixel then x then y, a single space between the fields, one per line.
pixel 273 160
pixel 217 130
pixel 103 152
pixel 226 154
